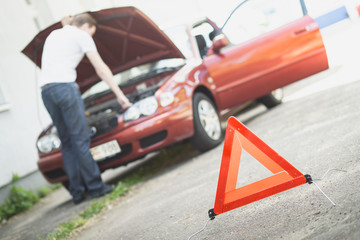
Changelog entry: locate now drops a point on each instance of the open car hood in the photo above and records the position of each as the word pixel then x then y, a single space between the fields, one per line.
pixel 125 37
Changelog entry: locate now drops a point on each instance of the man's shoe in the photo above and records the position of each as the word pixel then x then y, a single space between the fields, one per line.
pixel 79 200
pixel 105 190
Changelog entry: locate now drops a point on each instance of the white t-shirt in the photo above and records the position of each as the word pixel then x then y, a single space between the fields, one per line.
pixel 63 50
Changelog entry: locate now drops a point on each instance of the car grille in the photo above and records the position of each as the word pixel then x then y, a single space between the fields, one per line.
pixel 103 125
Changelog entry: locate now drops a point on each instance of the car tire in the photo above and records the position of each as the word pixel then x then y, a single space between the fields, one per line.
pixel 272 99
pixel 207 126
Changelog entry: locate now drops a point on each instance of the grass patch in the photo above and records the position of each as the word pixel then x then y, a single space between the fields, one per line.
pixel 64 230
pixel 18 201
pixel 121 190
pixel 15 178
pixel 55 186
pixel 94 208
pixel 165 158
pixel 44 191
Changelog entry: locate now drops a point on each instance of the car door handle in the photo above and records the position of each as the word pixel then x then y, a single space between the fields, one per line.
pixel 308 28
pixel 300 31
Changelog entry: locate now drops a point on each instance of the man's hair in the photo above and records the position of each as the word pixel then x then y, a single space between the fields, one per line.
pixel 83 18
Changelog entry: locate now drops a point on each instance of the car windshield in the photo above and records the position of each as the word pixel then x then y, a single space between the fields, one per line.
pixel 135 74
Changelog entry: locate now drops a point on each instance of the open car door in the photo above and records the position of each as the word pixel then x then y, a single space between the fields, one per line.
pixel 273 50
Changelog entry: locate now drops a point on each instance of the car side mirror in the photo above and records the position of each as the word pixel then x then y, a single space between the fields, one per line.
pixel 219 42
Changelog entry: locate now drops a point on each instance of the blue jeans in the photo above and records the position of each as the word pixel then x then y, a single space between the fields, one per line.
pixel 66 108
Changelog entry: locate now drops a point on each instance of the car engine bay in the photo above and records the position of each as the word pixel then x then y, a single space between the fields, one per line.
pixel 102 114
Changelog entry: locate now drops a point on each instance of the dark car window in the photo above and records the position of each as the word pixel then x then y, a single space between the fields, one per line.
pixel 203 34
pixel 257 17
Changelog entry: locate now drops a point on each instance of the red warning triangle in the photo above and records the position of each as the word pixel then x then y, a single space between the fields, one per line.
pixel 239 138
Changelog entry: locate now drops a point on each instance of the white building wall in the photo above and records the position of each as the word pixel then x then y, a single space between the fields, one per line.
pixel 24 115
pixel 19 124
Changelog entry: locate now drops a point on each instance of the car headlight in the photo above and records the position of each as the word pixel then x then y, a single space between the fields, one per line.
pixel 144 107
pixel 166 99
pixel 148 106
pixel 131 114
pixel 48 143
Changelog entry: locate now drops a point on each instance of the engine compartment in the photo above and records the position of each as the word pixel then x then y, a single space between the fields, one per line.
pixel 103 118
pixel 103 110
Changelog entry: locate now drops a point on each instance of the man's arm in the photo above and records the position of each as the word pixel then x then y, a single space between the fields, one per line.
pixel 104 72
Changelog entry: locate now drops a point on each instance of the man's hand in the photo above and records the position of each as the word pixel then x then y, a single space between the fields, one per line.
pixel 124 102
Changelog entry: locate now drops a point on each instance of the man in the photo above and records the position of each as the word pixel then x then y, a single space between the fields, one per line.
pixel 63 50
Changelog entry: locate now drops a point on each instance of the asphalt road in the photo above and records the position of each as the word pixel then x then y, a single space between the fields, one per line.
pixel 316 129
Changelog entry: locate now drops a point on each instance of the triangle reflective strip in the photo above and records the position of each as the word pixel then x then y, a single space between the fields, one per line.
pixel 239 138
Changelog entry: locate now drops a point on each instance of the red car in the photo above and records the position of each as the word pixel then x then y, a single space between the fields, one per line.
pixel 181 81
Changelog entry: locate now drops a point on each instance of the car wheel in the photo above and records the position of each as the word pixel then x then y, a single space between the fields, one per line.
pixel 272 99
pixel 207 127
